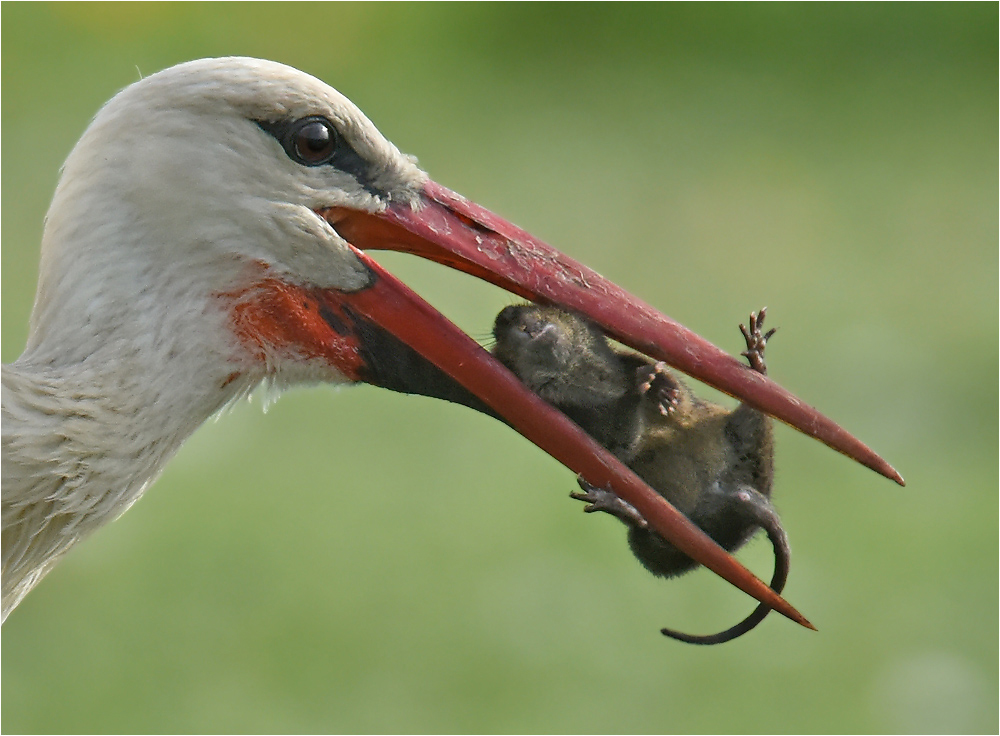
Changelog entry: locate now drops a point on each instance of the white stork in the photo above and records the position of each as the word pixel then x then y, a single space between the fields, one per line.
pixel 207 234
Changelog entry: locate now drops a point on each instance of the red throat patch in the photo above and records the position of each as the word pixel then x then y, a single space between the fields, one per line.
pixel 276 320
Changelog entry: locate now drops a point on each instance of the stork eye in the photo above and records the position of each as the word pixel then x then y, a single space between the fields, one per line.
pixel 312 141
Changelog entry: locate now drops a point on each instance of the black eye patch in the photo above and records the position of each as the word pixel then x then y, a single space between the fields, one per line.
pixel 315 141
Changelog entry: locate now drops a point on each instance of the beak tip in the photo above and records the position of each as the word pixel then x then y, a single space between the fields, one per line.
pixel 798 618
pixel 884 468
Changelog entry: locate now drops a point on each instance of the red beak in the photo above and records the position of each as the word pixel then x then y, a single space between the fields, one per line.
pixel 440 360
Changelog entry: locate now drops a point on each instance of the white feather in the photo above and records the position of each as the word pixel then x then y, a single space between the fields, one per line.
pixel 170 198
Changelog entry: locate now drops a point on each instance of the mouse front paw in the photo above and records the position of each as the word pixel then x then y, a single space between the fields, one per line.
pixel 657 384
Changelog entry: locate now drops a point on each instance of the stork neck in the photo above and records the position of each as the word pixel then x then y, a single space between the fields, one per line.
pixel 117 422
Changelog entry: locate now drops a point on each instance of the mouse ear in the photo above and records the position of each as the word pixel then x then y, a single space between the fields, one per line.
pixel 756 507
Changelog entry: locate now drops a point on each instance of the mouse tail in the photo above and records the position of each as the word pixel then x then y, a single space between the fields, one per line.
pixel 758 506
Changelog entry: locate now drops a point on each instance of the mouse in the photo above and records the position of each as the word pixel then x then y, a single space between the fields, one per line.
pixel 713 464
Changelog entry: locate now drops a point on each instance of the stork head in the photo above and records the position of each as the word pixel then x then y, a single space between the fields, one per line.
pixel 192 176
pixel 224 206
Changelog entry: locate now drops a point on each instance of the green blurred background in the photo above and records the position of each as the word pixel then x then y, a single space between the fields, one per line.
pixel 357 560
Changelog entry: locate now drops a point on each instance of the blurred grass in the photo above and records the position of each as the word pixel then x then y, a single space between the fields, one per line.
pixel 361 561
